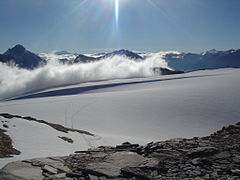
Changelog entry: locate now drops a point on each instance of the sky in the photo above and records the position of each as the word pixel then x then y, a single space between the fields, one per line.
pixel 83 26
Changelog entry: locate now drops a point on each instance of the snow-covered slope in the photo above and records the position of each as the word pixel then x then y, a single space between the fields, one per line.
pixel 138 110
pixel 35 139
pixel 190 104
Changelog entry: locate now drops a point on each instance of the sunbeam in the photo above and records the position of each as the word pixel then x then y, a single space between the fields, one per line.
pixel 116 10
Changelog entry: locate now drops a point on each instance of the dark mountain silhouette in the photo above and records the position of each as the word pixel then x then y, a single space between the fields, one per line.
pixel 84 59
pixel 22 58
pixel 165 71
pixel 123 52
pixel 62 52
pixel 212 59
pixel 79 59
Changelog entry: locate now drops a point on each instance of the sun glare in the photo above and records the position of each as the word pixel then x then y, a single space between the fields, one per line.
pixel 116 10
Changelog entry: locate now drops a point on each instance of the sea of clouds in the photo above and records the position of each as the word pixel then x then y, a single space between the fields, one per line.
pixel 15 81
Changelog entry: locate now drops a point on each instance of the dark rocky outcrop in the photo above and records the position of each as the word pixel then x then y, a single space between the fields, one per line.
pixel 83 59
pixel 6 147
pixel 165 71
pixel 69 140
pixel 215 157
pixel 22 58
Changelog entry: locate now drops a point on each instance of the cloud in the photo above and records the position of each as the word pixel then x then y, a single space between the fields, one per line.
pixel 15 81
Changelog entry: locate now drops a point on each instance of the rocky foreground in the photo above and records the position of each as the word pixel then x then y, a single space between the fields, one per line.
pixel 213 157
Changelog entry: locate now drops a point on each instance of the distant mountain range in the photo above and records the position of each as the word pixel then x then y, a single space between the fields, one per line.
pixel 212 59
pixel 85 59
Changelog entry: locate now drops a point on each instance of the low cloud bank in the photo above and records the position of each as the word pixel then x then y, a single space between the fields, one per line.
pixel 15 81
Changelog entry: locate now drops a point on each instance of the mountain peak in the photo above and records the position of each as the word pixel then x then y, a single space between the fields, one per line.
pixel 18 46
pixel 18 49
pixel 124 52
pixel 213 51
pixel 22 57
pixel 61 53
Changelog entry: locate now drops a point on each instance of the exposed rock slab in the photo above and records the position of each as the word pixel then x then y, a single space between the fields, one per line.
pixel 111 166
pixel 21 171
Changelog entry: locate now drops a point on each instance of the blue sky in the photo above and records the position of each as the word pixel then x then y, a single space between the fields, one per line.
pixel 90 25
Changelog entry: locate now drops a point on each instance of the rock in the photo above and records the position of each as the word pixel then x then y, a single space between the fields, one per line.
pixel 165 71
pixel 236 159
pixel 236 172
pixel 69 140
pixel 49 170
pixel 91 177
pixel 54 162
pixel 127 145
pixel 74 174
pixel 202 152
pixel 111 166
pixel 152 163
pixel 194 173
pixel 59 176
pixel 223 155
pixel 138 173
pixel 203 162
pixel 165 154
pixel 6 145
pixel 195 161
pixel 5 125
pixel 102 169
pixel 21 171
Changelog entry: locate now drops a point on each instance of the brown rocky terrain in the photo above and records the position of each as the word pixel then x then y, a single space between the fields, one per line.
pixel 6 147
pixel 213 157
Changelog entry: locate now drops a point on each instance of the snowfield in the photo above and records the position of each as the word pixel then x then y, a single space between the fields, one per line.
pixel 40 140
pixel 137 110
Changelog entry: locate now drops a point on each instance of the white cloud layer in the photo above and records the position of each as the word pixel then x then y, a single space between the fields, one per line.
pixel 15 81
